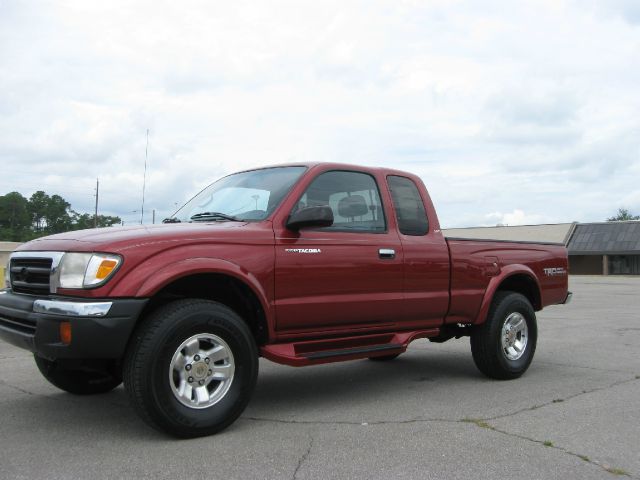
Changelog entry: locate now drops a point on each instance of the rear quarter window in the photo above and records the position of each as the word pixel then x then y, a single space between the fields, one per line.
pixel 408 205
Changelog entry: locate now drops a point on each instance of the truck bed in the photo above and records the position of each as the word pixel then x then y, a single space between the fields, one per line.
pixel 477 264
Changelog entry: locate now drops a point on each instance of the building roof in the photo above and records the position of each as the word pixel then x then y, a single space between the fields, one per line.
pixel 609 238
pixel 551 233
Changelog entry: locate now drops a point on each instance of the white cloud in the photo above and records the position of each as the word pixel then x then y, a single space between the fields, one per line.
pixel 499 106
pixel 516 217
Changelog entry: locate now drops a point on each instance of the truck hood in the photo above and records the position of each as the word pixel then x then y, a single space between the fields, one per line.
pixel 115 239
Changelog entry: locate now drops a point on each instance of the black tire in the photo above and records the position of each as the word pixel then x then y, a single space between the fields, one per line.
pixel 154 347
pixel 486 343
pixel 87 378
pixel 385 358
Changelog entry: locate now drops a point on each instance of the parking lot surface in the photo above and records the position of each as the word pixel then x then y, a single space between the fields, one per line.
pixel 428 414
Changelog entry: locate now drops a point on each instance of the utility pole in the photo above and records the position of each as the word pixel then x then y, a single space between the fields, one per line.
pixel 95 218
pixel 144 179
pixel 154 217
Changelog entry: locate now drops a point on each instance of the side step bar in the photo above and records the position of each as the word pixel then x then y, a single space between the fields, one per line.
pixel 353 351
pixel 313 352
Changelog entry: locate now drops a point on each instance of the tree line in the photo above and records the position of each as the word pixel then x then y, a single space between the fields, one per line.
pixel 23 219
pixel 622 215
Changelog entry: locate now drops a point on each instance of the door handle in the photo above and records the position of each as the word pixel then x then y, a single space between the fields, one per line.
pixel 387 253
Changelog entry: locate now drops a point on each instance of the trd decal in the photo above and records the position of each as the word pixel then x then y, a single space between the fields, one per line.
pixel 555 272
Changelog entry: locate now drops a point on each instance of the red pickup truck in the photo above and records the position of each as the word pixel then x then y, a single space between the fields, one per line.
pixel 301 264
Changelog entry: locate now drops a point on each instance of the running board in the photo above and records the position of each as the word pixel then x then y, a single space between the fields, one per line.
pixel 314 352
pixel 354 351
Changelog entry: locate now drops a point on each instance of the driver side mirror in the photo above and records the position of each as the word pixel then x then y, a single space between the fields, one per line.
pixel 320 216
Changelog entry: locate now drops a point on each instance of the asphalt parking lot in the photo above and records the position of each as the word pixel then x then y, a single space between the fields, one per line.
pixel 427 414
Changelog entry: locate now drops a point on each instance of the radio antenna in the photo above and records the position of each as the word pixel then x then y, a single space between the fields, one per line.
pixel 144 178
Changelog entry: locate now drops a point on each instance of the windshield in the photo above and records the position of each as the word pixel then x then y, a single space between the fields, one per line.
pixel 251 195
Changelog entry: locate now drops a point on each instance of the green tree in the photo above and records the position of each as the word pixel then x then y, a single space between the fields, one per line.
pixel 57 215
pixel 85 220
pixel 38 210
pixel 108 221
pixel 22 220
pixel 49 214
pixel 15 221
pixel 623 214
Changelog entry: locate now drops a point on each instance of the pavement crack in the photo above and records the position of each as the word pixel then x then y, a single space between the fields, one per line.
pixel 559 364
pixel 350 423
pixel 561 400
pixel 303 458
pixel 548 444
pixel 22 390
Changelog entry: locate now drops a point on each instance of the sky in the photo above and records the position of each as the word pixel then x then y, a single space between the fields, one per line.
pixel 511 112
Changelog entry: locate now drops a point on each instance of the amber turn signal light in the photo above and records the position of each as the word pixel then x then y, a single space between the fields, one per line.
pixel 105 268
pixel 65 332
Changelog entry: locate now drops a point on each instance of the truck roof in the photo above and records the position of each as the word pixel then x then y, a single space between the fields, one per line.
pixel 336 166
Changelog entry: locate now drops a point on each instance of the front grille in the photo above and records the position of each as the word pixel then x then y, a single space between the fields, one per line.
pixel 30 275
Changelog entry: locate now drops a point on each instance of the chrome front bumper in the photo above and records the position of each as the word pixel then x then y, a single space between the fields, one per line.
pixel 73 309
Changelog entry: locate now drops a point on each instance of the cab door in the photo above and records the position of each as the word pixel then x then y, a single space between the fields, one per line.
pixel 348 276
pixel 426 256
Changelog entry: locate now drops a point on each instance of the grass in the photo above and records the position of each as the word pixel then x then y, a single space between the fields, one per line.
pixel 617 471
pixel 478 422
pixel 548 443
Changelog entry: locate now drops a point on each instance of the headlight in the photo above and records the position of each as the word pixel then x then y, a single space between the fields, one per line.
pixel 85 270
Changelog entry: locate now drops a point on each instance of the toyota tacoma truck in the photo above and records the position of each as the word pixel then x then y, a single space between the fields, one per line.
pixel 301 264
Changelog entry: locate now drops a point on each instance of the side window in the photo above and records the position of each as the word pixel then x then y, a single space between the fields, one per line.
pixel 353 197
pixel 412 217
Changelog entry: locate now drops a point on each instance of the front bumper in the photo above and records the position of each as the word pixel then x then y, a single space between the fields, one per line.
pixel 99 328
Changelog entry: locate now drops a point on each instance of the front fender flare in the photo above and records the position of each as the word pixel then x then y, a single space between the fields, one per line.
pixel 193 266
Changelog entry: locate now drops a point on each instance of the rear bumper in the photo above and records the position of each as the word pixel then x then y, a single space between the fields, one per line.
pixel 567 299
pixel 99 328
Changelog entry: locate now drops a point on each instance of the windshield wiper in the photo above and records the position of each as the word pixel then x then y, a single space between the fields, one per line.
pixel 171 220
pixel 213 215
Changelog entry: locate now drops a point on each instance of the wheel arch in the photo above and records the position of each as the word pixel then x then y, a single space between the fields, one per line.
pixel 518 279
pixel 220 281
pixel 524 284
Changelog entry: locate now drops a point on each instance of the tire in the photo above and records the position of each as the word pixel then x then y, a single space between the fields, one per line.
pixel 498 352
pixel 191 368
pixel 88 379
pixel 385 358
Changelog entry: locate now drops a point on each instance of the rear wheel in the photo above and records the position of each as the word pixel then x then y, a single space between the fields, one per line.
pixel 191 368
pixel 503 347
pixel 83 378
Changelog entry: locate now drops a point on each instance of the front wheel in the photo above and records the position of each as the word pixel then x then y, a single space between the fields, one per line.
pixel 504 345
pixel 191 368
